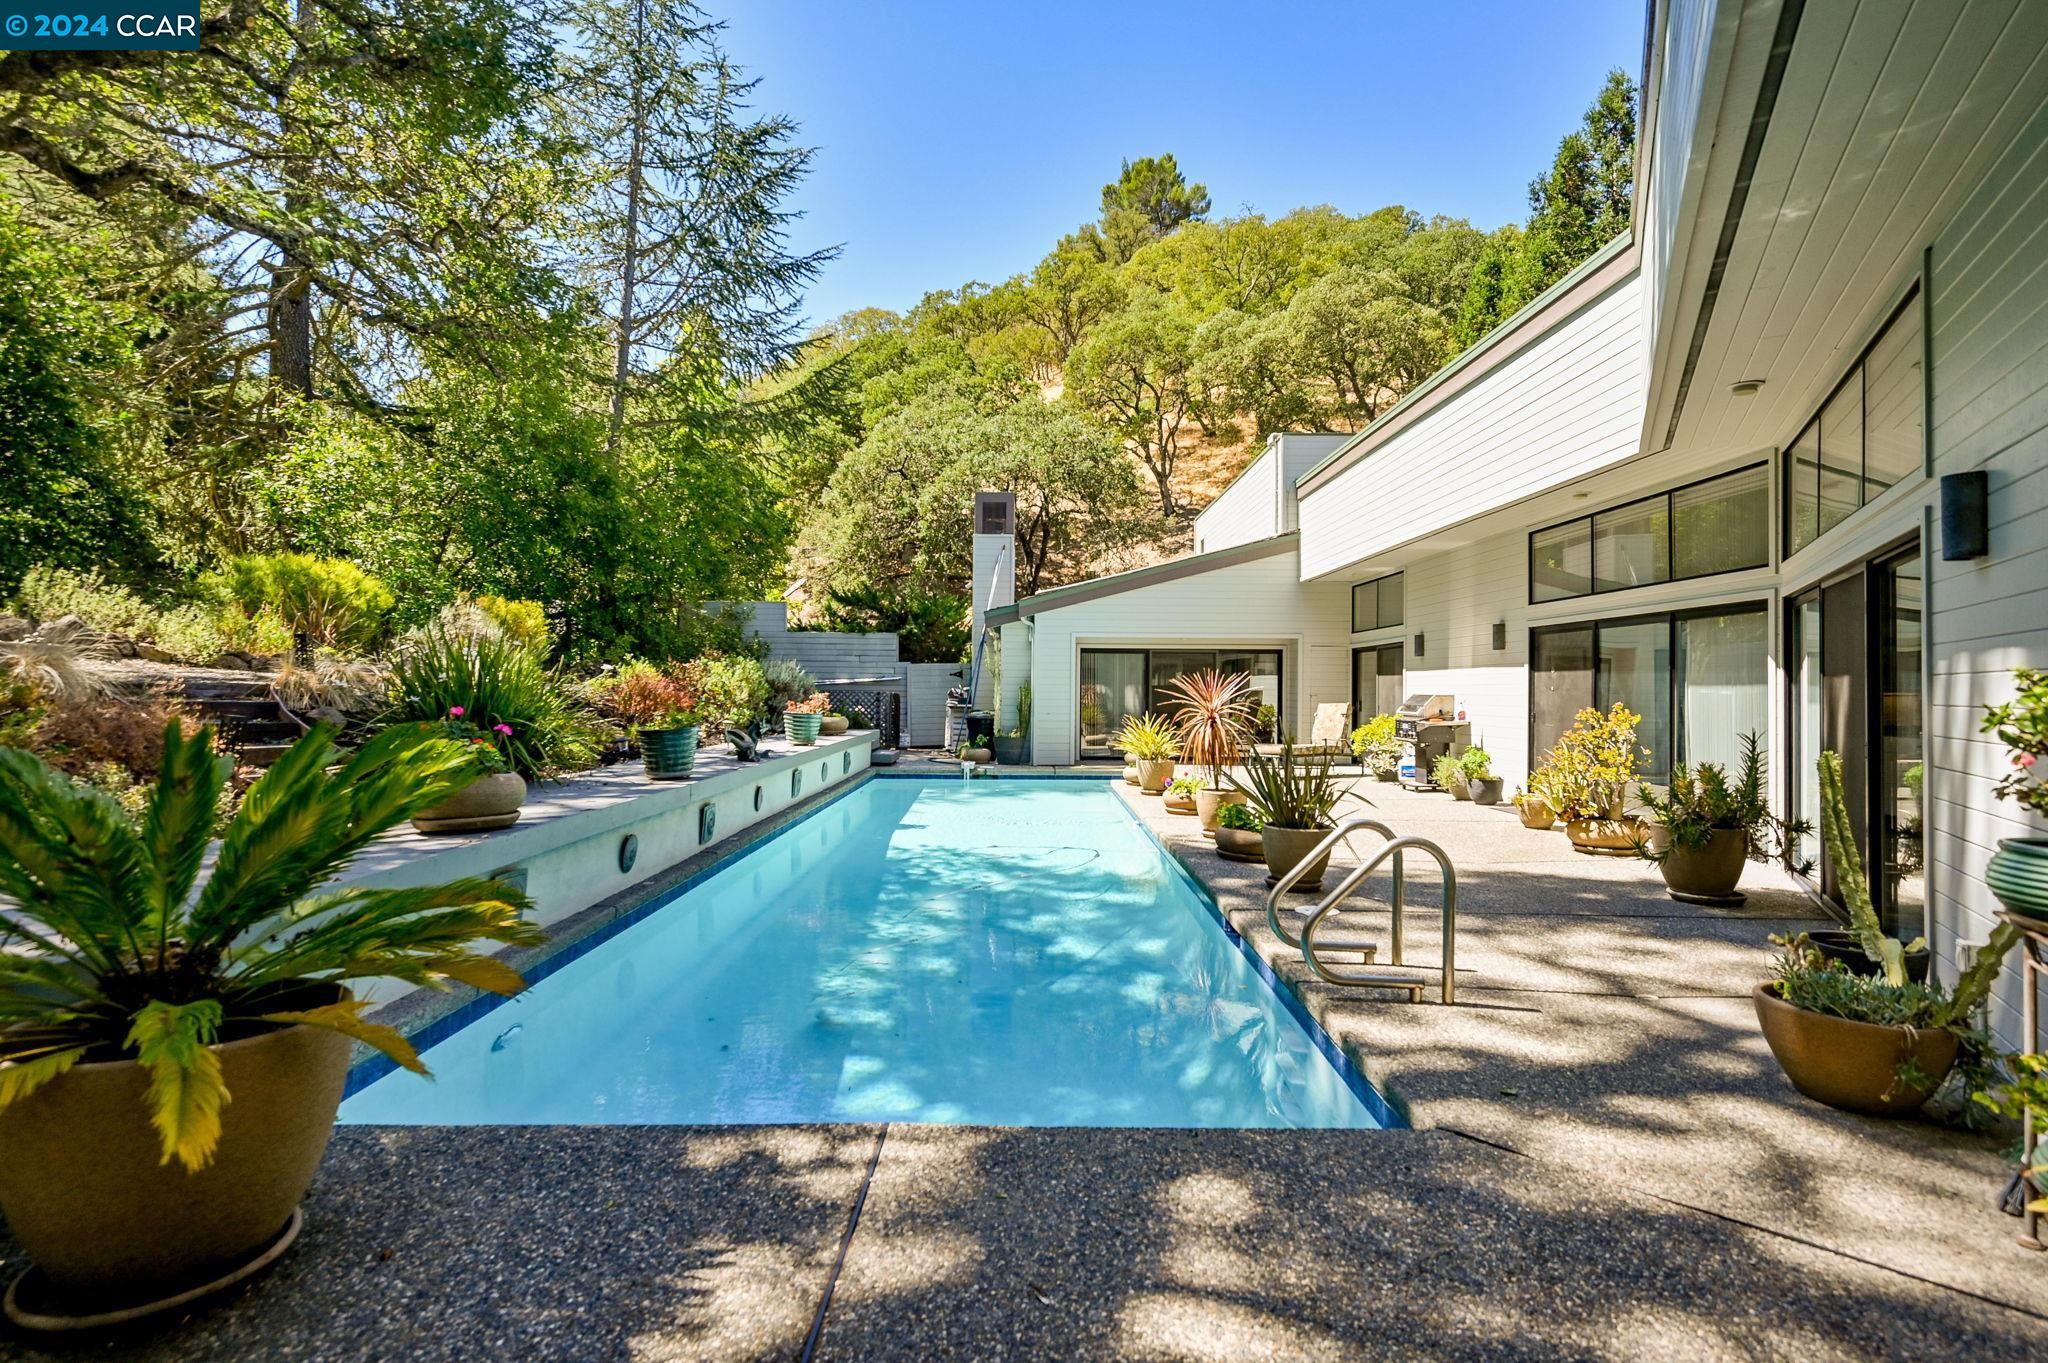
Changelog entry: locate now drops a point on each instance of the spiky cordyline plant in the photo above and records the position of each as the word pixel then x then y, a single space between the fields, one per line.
pixel 1290 790
pixel 107 954
pixel 1212 712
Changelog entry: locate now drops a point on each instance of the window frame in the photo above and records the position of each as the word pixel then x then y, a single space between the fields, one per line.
pixel 1671 573
pixel 1374 583
pixel 1855 371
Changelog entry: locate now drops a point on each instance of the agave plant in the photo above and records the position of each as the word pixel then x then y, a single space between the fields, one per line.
pixel 1290 789
pixel 1212 712
pixel 106 952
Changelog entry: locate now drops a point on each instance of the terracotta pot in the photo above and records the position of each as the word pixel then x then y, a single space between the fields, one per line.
pixel 1853 1065
pixel 802 730
pixel 2018 875
pixel 1179 804
pixel 84 1188
pixel 1240 844
pixel 1604 837
pixel 1285 848
pixel 1155 775
pixel 671 753
pixel 834 724
pixel 979 756
pixel 1209 803
pixel 487 802
pixel 1709 872
pixel 1536 812
pixel 1485 791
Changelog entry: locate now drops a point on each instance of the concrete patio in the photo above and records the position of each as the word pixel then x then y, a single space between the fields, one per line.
pixel 1607 1164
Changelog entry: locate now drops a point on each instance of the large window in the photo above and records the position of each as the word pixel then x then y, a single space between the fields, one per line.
pixel 1377 604
pixel 1865 437
pixel 1719 525
pixel 1697 678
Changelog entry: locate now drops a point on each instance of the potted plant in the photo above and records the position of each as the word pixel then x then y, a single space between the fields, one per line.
pixel 1292 795
pixel 493 798
pixel 1377 750
pixel 802 719
pixel 1476 765
pixel 1586 778
pixel 1238 836
pixel 136 999
pixel 1448 773
pixel 662 708
pixel 1148 741
pixel 1013 749
pixel 1878 1043
pixel 1704 827
pixel 782 682
pixel 1534 807
pixel 1212 713
pixel 970 751
pixel 2018 873
pixel 1180 795
pixel 537 721
pixel 835 723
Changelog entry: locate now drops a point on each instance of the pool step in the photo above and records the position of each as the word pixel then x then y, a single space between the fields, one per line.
pixel 1337 941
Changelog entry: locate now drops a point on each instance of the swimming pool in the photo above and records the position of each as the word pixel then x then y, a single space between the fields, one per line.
pixel 1011 952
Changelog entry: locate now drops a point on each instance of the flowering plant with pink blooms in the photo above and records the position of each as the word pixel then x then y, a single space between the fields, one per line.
pixel 487 746
pixel 2022 725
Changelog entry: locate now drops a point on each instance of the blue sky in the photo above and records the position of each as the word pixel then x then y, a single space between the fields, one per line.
pixel 957 141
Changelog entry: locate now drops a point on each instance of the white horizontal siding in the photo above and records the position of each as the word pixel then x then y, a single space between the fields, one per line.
pixel 1988 303
pixel 1247 510
pixel 1261 603
pixel 1569 404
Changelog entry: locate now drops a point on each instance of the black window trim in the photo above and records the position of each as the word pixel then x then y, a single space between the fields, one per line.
pixel 1374 583
pixel 1146 651
pixel 1358 714
pixel 1672 619
pixel 1670 538
pixel 1914 293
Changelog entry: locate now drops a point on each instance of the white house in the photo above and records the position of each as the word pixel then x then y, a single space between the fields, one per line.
pixel 1703 474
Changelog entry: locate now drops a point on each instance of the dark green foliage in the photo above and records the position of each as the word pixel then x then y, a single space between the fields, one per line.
pixel 1701 800
pixel 1289 789
pixel 1153 188
pixel 930 628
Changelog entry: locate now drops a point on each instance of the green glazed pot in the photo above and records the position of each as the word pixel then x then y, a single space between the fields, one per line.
pixel 2018 875
pixel 671 753
pixel 802 729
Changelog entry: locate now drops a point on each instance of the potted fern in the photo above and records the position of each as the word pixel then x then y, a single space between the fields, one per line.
pixel 1879 1043
pixel 1148 741
pixel 137 999
pixel 1292 795
pixel 1212 712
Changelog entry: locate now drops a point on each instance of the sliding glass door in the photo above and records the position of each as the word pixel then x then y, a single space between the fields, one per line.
pixel 1699 679
pixel 1119 683
pixel 1375 681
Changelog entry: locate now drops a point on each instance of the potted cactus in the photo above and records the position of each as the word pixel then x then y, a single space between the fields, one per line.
pixel 143 985
pixel 1705 827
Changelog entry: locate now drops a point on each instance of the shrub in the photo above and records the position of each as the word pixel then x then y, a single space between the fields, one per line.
pixel 331 601
pixel 49 593
pixel 735 690
pixel 262 635
pixel 191 634
pixel 787 681
pixel 643 696
pixel 1586 776
pixel 79 734
pixel 523 622
pixel 489 682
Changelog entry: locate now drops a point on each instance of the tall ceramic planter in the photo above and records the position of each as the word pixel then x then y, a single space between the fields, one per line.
pixel 2018 875
pixel 1209 803
pixel 1155 774
pixel 802 729
pixel 1287 847
pixel 671 753
pixel 1854 1065
pixel 485 803
pixel 112 1229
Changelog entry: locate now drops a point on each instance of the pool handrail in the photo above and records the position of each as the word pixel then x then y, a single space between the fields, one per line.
pixel 1395 846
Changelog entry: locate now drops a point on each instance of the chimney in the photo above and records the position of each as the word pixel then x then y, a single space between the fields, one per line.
pixel 995 584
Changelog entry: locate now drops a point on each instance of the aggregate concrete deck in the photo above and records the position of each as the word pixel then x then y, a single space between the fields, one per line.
pixel 1607 1164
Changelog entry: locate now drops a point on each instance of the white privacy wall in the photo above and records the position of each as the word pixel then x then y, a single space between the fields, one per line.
pixel 1570 403
pixel 1247 510
pixel 1261 603
pixel 1988 300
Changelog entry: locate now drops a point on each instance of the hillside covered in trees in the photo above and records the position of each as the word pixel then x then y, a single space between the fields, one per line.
pixel 1123 380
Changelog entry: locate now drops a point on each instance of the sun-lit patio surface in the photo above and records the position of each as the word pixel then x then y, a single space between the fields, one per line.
pixel 1606 1164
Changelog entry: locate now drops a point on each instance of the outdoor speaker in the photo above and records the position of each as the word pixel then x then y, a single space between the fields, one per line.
pixel 1965 515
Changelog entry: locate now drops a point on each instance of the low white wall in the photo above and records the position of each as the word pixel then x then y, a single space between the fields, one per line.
pixel 568 837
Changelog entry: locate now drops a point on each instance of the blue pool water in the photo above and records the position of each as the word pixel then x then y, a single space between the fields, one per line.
pixel 1005 952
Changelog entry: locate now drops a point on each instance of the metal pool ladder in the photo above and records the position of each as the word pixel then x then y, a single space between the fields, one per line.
pixel 1314 936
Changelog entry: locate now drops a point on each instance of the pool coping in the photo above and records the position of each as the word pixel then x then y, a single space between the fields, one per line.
pixel 428 1016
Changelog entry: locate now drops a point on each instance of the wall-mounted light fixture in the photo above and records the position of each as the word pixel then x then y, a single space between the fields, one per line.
pixel 1500 636
pixel 1965 515
pixel 1746 388
pixel 1418 645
